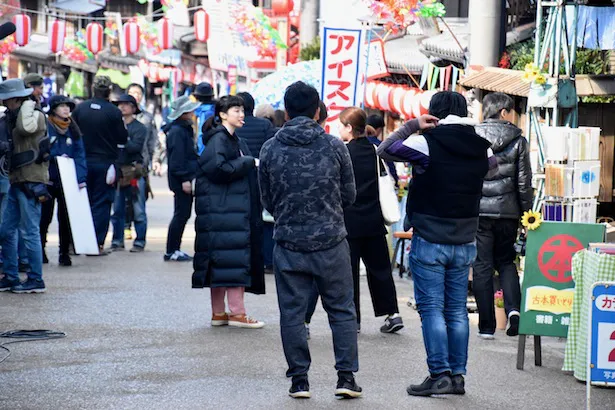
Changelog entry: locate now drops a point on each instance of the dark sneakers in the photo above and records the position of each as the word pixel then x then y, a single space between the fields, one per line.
pixel 347 387
pixel 441 384
pixel 512 329
pixel 300 389
pixel 392 324
pixel 30 286
pixel 6 284
pixel 64 260
pixel 459 384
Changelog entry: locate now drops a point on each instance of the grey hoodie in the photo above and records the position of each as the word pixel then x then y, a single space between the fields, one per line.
pixel 306 179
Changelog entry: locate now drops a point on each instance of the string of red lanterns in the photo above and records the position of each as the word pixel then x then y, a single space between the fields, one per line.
pixel 407 101
pixel 94 37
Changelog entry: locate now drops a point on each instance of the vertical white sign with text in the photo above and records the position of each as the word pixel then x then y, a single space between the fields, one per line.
pixel 341 50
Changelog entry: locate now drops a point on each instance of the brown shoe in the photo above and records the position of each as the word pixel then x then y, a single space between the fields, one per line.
pixel 245 321
pixel 219 319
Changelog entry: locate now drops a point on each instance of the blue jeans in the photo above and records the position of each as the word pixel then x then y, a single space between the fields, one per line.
pixel 101 198
pixel 295 275
pixel 139 215
pixel 23 254
pixel 441 288
pixel 21 213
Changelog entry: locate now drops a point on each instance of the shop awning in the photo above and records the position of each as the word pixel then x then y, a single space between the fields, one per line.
pixel 510 82
pixel 37 50
pixel 116 62
pixel 79 6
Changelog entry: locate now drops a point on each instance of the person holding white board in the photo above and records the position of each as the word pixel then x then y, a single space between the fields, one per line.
pixel 66 141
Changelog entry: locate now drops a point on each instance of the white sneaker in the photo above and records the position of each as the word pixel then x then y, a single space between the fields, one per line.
pixel 486 336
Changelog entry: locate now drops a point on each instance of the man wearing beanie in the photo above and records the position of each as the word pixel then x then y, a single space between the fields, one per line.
pixel 35 81
pixel 104 136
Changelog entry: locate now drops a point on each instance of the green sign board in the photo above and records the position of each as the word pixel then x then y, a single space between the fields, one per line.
pixel 547 289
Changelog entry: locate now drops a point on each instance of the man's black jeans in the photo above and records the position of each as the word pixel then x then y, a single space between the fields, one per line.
pixel 495 242
pixel 295 275
pixel 181 214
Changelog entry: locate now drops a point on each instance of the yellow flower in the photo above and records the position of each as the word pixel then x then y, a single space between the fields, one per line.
pixel 531 67
pixel 526 77
pixel 531 220
pixel 540 80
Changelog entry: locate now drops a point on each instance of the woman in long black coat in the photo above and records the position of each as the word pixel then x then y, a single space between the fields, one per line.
pixel 365 223
pixel 228 255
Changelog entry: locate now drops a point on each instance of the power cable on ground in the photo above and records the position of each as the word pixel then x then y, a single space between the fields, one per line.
pixel 27 336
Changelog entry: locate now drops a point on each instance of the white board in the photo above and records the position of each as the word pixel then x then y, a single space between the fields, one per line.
pixel 78 207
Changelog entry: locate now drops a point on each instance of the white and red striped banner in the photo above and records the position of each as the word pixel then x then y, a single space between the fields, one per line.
pixel 94 37
pixel 201 25
pixel 132 37
pixel 23 30
pixel 165 33
pixel 57 34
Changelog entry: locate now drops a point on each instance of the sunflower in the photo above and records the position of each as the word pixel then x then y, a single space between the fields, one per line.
pixel 531 220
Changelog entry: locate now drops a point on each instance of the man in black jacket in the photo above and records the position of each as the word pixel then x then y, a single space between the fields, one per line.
pixel 133 178
pixel 506 195
pixel 255 131
pixel 104 137
pixel 182 159
pixel 306 180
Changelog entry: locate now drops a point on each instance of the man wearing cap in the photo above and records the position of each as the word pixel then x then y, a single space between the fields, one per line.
pixel 182 160
pixel 28 176
pixel 204 94
pixel 35 81
pixel 104 136
pixel 132 180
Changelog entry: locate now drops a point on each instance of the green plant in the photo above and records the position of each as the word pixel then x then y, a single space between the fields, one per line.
pixel 310 51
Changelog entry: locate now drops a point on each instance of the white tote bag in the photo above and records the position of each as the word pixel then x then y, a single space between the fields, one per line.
pixel 387 195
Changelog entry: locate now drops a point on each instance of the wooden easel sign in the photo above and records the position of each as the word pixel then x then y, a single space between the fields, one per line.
pixel 548 288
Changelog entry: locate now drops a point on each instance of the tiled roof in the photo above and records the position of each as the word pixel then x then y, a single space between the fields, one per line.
pixel 403 54
pixel 510 82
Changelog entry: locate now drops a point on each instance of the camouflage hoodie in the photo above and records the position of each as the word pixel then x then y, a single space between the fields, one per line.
pixel 306 180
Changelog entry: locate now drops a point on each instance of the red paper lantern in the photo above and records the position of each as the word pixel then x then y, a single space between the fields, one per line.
pixel 153 73
pixel 165 33
pixel 282 6
pixel 383 97
pixel 396 99
pixel 201 25
pixel 369 94
pixel 94 37
pixel 425 100
pixel 416 104
pixel 274 22
pixel 57 33
pixel 406 105
pixel 132 37
pixel 23 30
pixel 295 21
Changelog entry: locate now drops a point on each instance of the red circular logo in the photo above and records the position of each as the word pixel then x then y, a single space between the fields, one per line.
pixel 555 256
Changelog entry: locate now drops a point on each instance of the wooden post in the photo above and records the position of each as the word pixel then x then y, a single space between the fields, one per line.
pixel 521 352
pixel 537 351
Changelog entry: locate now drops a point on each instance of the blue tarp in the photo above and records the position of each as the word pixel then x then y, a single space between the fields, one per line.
pixel 595 27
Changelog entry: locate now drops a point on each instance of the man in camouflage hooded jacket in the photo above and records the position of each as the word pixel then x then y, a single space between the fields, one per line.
pixel 306 179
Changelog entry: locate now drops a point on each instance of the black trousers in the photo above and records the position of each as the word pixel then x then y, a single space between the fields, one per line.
pixel 495 242
pixel 181 214
pixel 47 209
pixel 375 254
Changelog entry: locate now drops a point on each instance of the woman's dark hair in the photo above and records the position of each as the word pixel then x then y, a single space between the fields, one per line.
pixel 376 121
pixel 494 103
pixel 356 118
pixel 222 106
pixel 447 103
pixel 279 118
pixel 322 114
pixel 248 102
pixel 301 100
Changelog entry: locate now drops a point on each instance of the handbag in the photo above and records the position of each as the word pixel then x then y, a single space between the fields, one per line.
pixel 389 205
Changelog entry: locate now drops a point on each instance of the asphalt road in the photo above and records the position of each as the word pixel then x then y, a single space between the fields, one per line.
pixel 138 337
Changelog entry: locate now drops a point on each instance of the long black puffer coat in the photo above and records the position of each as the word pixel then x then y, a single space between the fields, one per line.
pixel 509 192
pixel 228 216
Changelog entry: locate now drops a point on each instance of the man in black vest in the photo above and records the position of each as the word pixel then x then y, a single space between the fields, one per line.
pixel 449 164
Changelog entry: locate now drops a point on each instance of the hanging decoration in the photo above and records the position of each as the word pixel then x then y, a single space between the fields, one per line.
pixel 6 46
pixel 282 7
pixel 399 14
pixel 57 34
pixel 76 49
pixel 201 25
pixel 149 35
pixel 165 33
pixel 256 30
pixel 94 37
pixel 132 37
pixel 23 30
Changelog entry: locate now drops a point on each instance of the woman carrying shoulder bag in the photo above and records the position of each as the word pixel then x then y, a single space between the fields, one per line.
pixel 65 139
pixel 365 223
pixel 229 224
